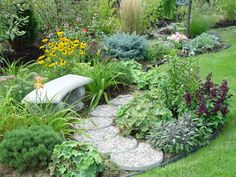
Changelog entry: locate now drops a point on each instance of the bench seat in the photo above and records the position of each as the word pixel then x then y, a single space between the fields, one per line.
pixel 56 91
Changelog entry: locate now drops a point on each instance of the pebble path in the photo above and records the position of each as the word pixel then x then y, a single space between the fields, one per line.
pixel 126 152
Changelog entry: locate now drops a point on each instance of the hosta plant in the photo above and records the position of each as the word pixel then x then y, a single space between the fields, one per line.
pixel 179 136
pixel 138 116
pixel 28 147
pixel 75 159
pixel 125 46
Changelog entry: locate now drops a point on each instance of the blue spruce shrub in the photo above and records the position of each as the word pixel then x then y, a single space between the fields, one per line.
pixel 125 46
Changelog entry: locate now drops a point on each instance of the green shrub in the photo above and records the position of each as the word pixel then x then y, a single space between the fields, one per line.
pixel 202 43
pixel 30 28
pixel 142 79
pixel 170 86
pixel 75 159
pixel 199 24
pixel 138 116
pixel 28 147
pixel 125 46
pixel 179 136
pixel 167 9
pixel 156 50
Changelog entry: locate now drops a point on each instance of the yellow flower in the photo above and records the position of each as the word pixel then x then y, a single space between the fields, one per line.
pixel 70 52
pixel 41 57
pixel 52 54
pixel 60 33
pixel 48 58
pixel 64 52
pixel 40 62
pixel 76 41
pixel 82 52
pixel 83 45
pixel 52 64
pixel 42 47
pixel 63 62
pixel 45 40
pixel 47 51
pixel 75 45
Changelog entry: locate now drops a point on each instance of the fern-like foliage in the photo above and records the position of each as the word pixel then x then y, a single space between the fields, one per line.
pixel 125 46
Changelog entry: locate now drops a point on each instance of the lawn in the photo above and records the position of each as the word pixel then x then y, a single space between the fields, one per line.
pixel 218 158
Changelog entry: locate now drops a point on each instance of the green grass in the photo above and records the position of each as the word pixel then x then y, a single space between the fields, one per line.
pixel 218 159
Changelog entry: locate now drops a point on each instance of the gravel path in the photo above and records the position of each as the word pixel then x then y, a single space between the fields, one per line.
pixel 124 151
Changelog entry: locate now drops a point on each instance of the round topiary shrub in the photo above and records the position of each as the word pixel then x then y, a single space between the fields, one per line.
pixel 28 147
pixel 75 159
pixel 179 136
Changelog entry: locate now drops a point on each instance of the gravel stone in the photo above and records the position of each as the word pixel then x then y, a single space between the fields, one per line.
pixel 98 135
pixel 104 111
pixel 141 158
pixel 117 144
pixel 95 123
pixel 121 100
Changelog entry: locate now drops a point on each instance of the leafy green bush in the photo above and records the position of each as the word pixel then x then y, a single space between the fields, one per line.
pixel 11 21
pixel 139 77
pixel 156 50
pixel 28 147
pixel 138 116
pixel 125 46
pixel 75 159
pixel 178 136
pixel 202 43
pixel 30 28
pixel 167 9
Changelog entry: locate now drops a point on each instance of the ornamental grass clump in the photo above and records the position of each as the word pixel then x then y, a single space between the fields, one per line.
pixel 179 136
pixel 28 147
pixel 131 12
pixel 125 46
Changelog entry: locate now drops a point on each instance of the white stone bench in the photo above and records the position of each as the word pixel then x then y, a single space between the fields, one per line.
pixel 67 89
